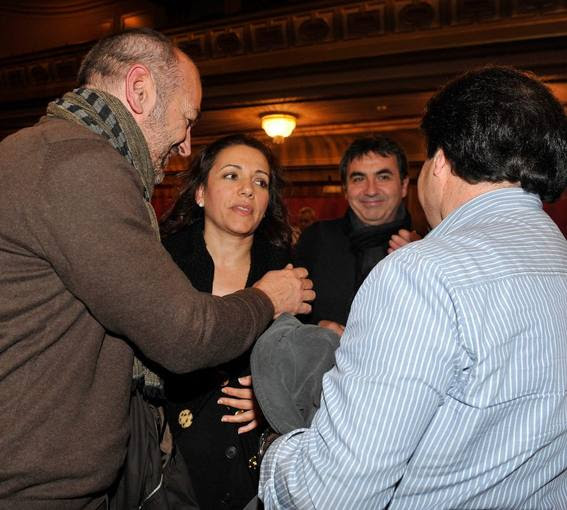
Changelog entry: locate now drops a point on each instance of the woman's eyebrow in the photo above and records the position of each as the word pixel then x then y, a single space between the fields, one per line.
pixel 233 165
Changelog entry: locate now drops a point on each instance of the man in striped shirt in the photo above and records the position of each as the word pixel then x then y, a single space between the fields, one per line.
pixel 450 383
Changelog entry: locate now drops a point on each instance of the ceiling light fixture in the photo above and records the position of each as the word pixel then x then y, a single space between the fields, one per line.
pixel 278 125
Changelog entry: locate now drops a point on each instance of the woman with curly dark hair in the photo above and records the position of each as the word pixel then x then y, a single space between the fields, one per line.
pixel 227 229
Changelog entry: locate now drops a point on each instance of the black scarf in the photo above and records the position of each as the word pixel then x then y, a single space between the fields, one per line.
pixel 370 243
pixel 188 249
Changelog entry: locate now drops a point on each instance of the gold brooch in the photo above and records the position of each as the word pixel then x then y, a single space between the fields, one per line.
pixel 185 418
pixel 253 462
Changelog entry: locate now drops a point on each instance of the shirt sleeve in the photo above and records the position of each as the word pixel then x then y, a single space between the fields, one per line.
pixel 393 368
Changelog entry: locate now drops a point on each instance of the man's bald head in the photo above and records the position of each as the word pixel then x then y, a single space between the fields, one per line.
pixel 158 84
pixel 107 63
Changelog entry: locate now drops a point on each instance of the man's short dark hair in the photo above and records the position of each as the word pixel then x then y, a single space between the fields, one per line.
pixel 498 124
pixel 109 58
pixel 376 144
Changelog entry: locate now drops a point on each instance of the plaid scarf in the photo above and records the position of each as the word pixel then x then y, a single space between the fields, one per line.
pixel 105 115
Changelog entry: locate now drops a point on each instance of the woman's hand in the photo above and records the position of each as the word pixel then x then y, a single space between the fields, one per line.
pixel 244 400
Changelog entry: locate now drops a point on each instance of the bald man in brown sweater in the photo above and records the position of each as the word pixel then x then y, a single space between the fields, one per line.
pixel 85 281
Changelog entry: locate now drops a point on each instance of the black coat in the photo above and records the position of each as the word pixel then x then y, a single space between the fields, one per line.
pixel 324 250
pixel 328 251
pixel 220 461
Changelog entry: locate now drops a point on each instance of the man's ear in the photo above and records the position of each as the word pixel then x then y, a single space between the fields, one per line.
pixel 405 183
pixel 441 164
pixel 141 93
pixel 344 186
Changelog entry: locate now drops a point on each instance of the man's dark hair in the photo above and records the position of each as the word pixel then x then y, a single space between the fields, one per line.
pixel 376 144
pixel 110 57
pixel 274 226
pixel 498 124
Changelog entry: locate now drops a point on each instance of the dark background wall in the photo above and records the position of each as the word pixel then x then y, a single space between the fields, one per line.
pixel 343 68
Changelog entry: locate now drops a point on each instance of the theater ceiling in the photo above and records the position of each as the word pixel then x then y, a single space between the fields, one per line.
pixel 343 68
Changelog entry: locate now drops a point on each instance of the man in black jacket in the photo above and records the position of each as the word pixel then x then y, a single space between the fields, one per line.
pixel 340 253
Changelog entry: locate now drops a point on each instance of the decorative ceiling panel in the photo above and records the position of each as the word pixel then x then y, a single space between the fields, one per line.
pixel 342 67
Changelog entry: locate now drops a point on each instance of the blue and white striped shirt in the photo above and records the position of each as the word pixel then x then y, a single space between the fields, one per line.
pixel 449 389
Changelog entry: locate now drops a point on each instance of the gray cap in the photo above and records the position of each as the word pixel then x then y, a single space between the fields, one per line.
pixel 287 363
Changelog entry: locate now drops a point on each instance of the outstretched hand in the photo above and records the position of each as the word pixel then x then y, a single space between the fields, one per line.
pixel 289 289
pixel 244 400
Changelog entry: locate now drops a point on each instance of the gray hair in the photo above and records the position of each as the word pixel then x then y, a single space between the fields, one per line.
pixel 110 58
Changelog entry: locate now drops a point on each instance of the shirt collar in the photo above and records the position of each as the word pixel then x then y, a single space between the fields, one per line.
pixel 487 205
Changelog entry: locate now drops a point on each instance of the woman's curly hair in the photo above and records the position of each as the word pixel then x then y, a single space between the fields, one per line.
pixel 274 226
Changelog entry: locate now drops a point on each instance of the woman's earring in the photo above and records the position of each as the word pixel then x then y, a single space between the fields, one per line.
pixel 200 204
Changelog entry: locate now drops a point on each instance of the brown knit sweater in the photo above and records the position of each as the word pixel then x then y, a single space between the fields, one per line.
pixel 80 271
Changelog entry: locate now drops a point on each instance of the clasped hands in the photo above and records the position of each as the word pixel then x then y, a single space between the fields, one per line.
pixel 242 399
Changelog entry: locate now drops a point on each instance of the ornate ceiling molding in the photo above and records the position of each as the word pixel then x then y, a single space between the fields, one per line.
pixel 51 8
pixel 326 34
pixel 351 22
pixel 315 59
